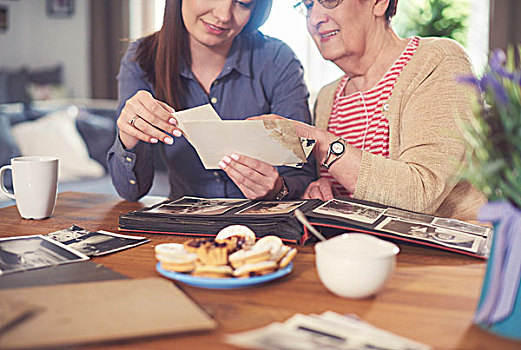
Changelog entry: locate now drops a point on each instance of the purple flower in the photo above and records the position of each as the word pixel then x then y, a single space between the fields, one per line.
pixel 489 83
pixel 497 64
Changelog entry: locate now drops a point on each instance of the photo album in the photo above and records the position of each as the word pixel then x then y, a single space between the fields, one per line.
pixel 207 216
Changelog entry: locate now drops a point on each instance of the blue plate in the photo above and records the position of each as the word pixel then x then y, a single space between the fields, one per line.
pixel 223 283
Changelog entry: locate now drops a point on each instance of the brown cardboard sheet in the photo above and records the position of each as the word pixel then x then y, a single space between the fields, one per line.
pixel 82 313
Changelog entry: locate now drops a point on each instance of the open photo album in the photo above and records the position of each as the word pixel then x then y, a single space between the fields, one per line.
pixel 207 216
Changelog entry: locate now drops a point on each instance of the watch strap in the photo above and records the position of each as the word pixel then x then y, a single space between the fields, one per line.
pixel 327 164
pixel 283 193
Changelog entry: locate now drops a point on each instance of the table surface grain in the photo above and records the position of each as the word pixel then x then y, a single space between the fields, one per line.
pixel 431 297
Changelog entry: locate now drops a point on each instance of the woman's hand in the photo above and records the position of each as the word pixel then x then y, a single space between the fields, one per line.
pixel 322 137
pixel 319 189
pixel 147 119
pixel 256 179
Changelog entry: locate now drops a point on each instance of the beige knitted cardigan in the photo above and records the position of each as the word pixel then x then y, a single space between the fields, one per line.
pixel 425 142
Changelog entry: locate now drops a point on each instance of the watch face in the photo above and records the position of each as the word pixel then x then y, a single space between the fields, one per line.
pixel 337 148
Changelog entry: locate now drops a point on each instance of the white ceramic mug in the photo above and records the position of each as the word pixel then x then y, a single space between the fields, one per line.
pixel 355 265
pixel 35 184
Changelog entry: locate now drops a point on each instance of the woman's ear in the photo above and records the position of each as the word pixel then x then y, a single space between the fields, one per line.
pixel 380 7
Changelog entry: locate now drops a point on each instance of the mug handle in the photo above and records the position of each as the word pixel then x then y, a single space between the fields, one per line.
pixel 2 186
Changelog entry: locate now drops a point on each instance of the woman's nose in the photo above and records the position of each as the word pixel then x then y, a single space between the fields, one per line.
pixel 316 15
pixel 223 10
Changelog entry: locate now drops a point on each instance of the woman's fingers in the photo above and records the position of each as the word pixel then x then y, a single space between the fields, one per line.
pixel 319 189
pixel 152 111
pixel 255 178
pixel 147 119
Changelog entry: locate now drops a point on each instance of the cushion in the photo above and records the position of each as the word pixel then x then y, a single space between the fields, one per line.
pixel 46 76
pixel 8 147
pixel 4 87
pixel 17 85
pixel 56 135
pixel 98 133
pixel 41 92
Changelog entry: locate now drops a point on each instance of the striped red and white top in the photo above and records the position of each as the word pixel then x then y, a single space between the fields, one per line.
pixel 360 117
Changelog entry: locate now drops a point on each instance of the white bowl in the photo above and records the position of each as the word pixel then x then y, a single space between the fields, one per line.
pixel 355 265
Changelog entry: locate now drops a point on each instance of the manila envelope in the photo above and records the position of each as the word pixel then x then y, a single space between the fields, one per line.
pixel 80 313
pixel 273 141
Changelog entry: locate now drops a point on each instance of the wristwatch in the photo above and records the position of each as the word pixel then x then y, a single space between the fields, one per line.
pixel 337 148
pixel 283 191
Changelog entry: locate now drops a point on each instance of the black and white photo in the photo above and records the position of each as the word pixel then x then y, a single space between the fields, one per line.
pixel 198 206
pixel 31 252
pixel 271 208
pixel 95 243
pixel 462 226
pixel 433 234
pixel 407 215
pixel 349 210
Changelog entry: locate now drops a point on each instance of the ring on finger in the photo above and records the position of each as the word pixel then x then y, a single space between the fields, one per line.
pixel 133 120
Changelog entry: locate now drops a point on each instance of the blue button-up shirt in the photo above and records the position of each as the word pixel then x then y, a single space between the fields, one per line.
pixel 261 75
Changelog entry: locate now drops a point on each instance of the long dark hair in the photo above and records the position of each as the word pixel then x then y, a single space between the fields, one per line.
pixel 391 9
pixel 161 54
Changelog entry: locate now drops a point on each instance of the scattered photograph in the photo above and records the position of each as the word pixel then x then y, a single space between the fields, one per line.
pixel 454 224
pixel 95 243
pixel 407 215
pixel 433 234
pixel 349 210
pixel 31 252
pixel 271 208
pixel 198 206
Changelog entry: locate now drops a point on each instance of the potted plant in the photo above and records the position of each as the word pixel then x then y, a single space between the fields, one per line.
pixel 494 166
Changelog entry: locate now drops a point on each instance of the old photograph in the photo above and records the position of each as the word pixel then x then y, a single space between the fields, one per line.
pixel 198 206
pixel 462 226
pixel 202 202
pixel 271 208
pixel 407 215
pixel 349 210
pixel 31 252
pixel 431 233
pixel 95 243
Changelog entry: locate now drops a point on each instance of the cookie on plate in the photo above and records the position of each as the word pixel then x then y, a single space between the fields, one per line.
pixel 287 258
pixel 173 257
pixel 255 269
pixel 249 256
pixel 213 271
pixel 245 237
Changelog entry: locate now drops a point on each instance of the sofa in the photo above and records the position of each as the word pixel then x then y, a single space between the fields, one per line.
pixel 77 131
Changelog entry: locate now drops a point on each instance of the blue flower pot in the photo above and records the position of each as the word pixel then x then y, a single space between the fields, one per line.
pixel 499 308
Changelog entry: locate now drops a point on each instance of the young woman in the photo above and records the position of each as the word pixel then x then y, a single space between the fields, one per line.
pixel 387 131
pixel 208 51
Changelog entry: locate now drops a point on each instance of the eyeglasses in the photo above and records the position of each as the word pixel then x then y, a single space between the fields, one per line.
pixel 304 7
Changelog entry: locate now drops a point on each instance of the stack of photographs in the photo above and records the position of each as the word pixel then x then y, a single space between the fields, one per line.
pixel 207 216
pixel 69 245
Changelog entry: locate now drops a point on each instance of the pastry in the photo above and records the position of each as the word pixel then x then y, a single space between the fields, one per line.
pixel 255 269
pixel 274 244
pixel 173 257
pixel 212 271
pixel 249 256
pixel 245 236
pixel 213 253
pixel 287 258
pixel 194 243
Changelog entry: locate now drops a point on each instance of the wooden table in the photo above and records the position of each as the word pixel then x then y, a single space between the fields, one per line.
pixel 431 298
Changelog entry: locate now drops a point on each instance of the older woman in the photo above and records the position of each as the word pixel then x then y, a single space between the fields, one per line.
pixel 206 52
pixel 387 131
